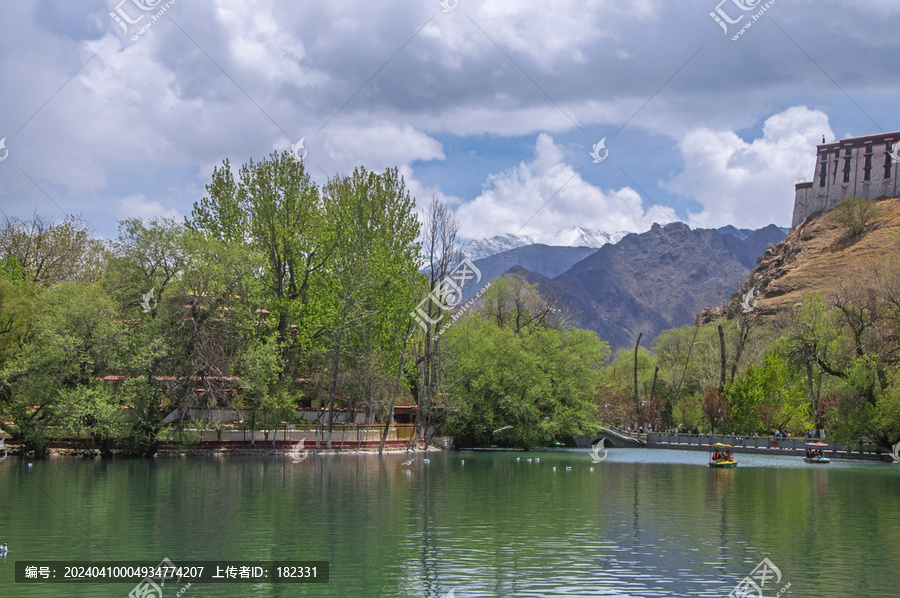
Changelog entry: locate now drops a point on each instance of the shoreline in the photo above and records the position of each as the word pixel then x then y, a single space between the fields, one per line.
pixel 780 452
pixel 168 452
pixel 92 453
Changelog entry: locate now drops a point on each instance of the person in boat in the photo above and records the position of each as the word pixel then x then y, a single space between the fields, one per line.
pixel 716 456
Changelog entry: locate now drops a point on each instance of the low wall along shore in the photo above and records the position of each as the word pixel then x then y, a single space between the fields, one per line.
pixel 346 437
pixel 766 445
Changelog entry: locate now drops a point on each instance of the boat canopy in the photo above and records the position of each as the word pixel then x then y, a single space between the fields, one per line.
pixel 816 444
pixel 720 446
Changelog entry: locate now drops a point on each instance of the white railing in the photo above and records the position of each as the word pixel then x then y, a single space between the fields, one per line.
pixel 372 434
pixel 759 442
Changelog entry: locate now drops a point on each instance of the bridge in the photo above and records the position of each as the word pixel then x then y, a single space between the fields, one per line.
pixel 614 439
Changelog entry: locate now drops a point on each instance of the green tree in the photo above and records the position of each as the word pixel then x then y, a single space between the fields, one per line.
pixel 49 252
pixel 519 389
pixel 854 214
pixel 375 262
pixel 814 345
pixel 78 339
pixel 767 397
pixel 275 210
pixel 145 257
pixel 17 298
pixel 868 404
pixel 91 411
pixel 263 395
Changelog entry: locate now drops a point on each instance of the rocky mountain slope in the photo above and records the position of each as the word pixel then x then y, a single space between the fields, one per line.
pixel 817 256
pixel 540 259
pixel 653 281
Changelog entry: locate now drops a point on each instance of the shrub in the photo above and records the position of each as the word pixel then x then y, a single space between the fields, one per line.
pixel 855 214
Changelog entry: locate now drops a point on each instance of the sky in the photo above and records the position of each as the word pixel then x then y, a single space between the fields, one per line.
pixel 706 112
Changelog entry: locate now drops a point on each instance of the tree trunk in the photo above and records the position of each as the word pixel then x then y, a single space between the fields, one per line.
pixel 637 401
pixel 390 415
pixel 687 360
pixel 336 366
pixel 722 359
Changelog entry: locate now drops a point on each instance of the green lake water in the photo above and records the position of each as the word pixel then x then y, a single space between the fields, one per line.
pixel 643 523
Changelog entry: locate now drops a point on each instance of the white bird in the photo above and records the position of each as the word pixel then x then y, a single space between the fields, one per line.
pixel 568 469
pixel 426 461
pixel 592 469
pixel 463 462
pixel 3 548
pixel 554 469
pixel 409 462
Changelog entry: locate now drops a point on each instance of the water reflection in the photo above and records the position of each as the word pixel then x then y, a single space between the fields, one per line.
pixel 643 523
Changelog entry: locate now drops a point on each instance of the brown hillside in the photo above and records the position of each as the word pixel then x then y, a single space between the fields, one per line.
pixel 816 256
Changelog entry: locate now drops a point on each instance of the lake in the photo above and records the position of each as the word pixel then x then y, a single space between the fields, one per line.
pixel 643 523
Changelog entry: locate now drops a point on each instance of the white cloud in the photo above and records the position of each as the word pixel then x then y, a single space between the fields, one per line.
pixel 137 206
pixel 750 183
pixel 562 32
pixel 546 195
pixel 340 149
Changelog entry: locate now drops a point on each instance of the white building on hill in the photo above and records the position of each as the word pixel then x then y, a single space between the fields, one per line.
pixel 860 166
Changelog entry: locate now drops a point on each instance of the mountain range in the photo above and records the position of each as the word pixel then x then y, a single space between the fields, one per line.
pixel 568 237
pixel 645 282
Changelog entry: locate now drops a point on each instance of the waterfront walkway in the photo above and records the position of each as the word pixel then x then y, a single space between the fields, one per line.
pixel 766 445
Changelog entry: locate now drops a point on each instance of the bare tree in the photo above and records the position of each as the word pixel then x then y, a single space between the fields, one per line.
pixel 515 303
pixel 442 253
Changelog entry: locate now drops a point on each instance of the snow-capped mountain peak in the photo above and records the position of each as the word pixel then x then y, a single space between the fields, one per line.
pixel 576 236
pixel 569 237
